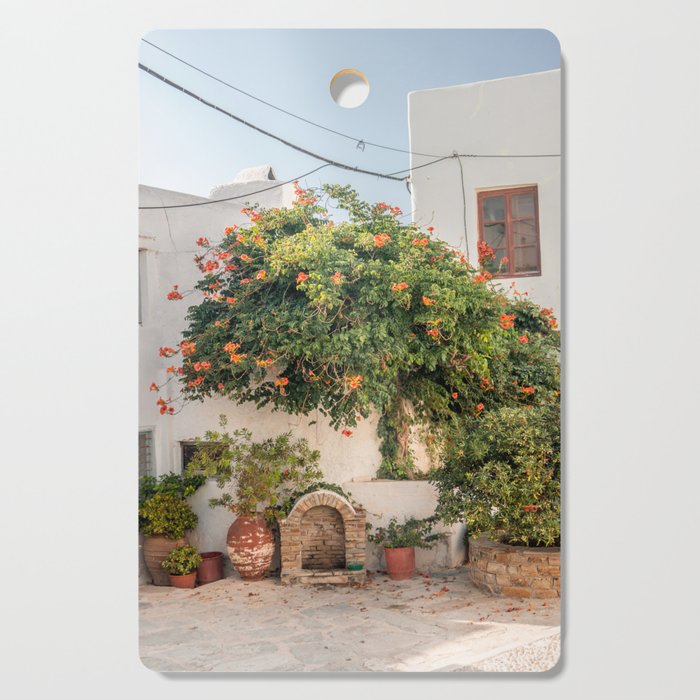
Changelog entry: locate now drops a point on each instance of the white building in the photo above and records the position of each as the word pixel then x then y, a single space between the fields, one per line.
pixel 511 200
pixel 166 251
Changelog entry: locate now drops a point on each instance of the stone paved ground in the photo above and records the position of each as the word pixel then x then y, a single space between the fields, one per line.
pixel 436 622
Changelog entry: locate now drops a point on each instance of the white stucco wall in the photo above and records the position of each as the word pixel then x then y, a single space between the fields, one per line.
pixel 518 115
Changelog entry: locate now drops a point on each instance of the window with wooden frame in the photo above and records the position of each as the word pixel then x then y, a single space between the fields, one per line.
pixel 509 225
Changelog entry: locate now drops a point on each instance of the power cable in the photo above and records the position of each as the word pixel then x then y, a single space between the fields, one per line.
pixel 240 196
pixel 336 163
pixel 359 142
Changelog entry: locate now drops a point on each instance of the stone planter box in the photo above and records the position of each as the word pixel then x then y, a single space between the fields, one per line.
pixel 514 572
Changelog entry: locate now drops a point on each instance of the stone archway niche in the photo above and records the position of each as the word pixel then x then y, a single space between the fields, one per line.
pixel 321 535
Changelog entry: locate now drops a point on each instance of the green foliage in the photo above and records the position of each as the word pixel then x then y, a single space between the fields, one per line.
pixel 262 475
pixel 180 485
pixel 501 474
pixel 182 560
pixel 167 514
pixel 412 533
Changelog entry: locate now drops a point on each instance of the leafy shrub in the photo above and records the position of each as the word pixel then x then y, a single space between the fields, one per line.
pixel 182 485
pixel 182 560
pixel 501 475
pixel 260 474
pixel 370 314
pixel 167 514
pixel 412 533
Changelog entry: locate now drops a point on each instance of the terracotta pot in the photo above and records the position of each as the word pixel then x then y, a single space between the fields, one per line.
pixel 400 562
pixel 212 567
pixel 184 581
pixel 155 549
pixel 250 545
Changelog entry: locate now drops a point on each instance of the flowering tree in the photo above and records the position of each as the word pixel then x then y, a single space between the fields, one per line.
pixel 302 313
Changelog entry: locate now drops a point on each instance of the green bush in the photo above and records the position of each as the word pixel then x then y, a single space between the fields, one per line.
pixel 412 533
pixel 259 475
pixel 369 314
pixel 167 514
pixel 182 560
pixel 501 475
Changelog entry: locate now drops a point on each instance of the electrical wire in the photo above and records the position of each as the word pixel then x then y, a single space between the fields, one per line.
pixel 287 112
pixel 358 141
pixel 240 196
pixel 336 163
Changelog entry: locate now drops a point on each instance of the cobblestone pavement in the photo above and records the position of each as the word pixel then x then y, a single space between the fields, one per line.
pixel 438 622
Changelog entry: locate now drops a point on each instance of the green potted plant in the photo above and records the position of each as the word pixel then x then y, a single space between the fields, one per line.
pixel 400 540
pixel 259 477
pixel 181 565
pixel 165 517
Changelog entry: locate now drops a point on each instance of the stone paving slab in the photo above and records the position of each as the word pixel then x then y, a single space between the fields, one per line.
pixel 435 622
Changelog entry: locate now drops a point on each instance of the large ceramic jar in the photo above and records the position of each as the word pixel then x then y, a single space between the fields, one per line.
pixel 155 549
pixel 250 544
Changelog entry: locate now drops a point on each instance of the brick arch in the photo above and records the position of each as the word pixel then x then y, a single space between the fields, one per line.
pixel 322 497
pixel 292 532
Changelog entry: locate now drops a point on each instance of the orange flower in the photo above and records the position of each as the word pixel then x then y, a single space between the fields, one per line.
pixel 552 322
pixel 480 407
pixel 153 387
pixel 174 294
pixel 454 394
pixel 427 301
pixel 246 258
pixel 486 384
pixel 230 229
pixel 354 382
pixel 531 508
pixel 479 279
pixel 434 332
pixel 399 287
pixel 237 358
pixel 337 278
pixel 202 241
pixel 219 386
pixel 302 277
pixel 245 280
pixel 231 347
pixel 420 241
pixel 527 389
pixel 485 252
pixel 506 321
pixel 260 275
pixel 524 339
pixel 381 239
pixel 283 381
pixel 167 352
pixel 346 432
pixel 430 228
pixel 188 347
pixel 230 300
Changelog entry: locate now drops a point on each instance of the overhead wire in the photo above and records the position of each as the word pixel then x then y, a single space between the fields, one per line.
pixel 337 164
pixel 358 141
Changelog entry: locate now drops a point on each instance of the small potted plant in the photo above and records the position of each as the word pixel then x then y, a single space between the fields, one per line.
pixel 399 542
pixel 181 564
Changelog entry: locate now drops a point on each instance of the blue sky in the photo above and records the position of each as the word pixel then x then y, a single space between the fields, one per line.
pixel 188 147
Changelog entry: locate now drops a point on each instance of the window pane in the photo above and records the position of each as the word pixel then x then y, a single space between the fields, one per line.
pixel 524 232
pixel 493 208
pixel 526 259
pixel 145 452
pixel 495 235
pixel 522 206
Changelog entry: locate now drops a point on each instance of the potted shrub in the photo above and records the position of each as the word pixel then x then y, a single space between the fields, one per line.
pixel 399 542
pixel 258 476
pixel 164 520
pixel 165 517
pixel 501 476
pixel 181 565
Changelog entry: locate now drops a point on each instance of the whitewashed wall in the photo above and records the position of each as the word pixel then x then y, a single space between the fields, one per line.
pixel 167 247
pixel 518 115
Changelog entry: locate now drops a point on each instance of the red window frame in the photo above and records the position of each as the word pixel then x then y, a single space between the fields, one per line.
pixel 507 193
